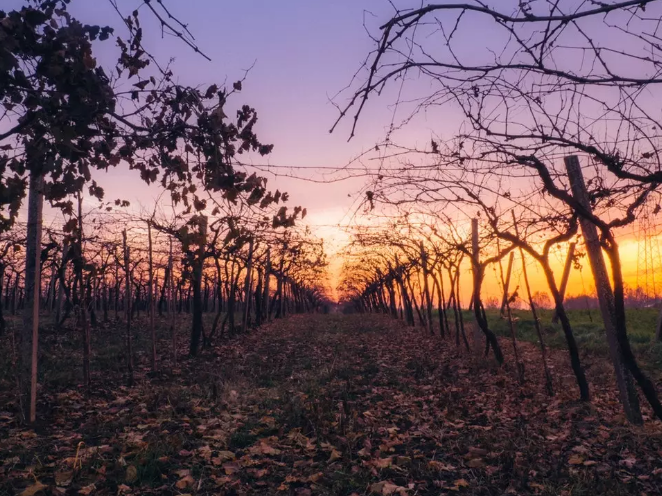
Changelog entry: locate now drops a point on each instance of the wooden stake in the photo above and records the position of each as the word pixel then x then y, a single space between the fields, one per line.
pixel 60 290
pixel 506 281
pixel 127 299
pixel 267 275
pixel 152 330
pixel 627 392
pixel 30 334
pixel 426 287
pixel 172 304
pixel 247 288
pixel 83 298
pixel 475 270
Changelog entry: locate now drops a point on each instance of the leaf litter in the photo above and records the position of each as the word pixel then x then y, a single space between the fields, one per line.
pixel 335 405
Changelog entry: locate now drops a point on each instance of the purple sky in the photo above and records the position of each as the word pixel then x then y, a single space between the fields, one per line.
pixel 302 54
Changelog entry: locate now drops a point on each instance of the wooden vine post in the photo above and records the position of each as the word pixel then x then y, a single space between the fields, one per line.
pixel 265 296
pixel 247 288
pixel 127 299
pixel 171 305
pixel 476 272
pixel 506 282
pixel 624 380
pixel 426 288
pixel 152 330
pixel 85 327
pixel 60 290
pixel 29 346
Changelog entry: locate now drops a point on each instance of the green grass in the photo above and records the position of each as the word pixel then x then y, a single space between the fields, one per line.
pixel 587 328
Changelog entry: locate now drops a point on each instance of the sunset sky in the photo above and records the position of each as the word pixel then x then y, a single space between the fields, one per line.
pixel 301 54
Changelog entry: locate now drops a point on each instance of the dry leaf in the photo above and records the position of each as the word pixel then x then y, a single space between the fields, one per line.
pixel 131 474
pixel 63 479
pixel 187 481
pixel 335 455
pixel 459 483
pixel 383 462
pixel 87 490
pixel 231 467
pixel 387 488
pixel 437 465
pixel 223 456
pixel 33 489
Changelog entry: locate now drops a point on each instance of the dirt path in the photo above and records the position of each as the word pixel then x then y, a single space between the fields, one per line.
pixel 338 405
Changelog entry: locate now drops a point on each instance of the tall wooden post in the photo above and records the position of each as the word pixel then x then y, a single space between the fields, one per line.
pixel 198 270
pixel 426 287
pixel 50 299
pixel 247 288
pixel 172 310
pixel 476 272
pixel 267 276
pixel 104 291
pixel 61 275
pixel 279 289
pixel 152 330
pixel 506 282
pixel 565 277
pixel 30 332
pixel 84 301
pixel 127 299
pixel 117 286
pixel 627 392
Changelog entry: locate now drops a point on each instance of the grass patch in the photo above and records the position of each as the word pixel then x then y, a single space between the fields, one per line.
pixel 587 328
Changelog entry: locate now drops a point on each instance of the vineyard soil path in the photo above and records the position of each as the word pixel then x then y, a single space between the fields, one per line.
pixel 340 405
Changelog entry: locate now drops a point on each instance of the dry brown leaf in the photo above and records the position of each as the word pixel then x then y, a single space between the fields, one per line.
pixel 437 465
pixel 187 481
pixel 387 488
pixel 231 468
pixel 316 477
pixel 63 479
pixel 131 474
pixel 33 489
pixel 335 455
pixel 262 448
pixel 383 462
pixel 87 490
pixel 458 484
pixel 223 456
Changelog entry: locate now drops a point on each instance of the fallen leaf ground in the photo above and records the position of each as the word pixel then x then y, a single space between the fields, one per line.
pixel 334 405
